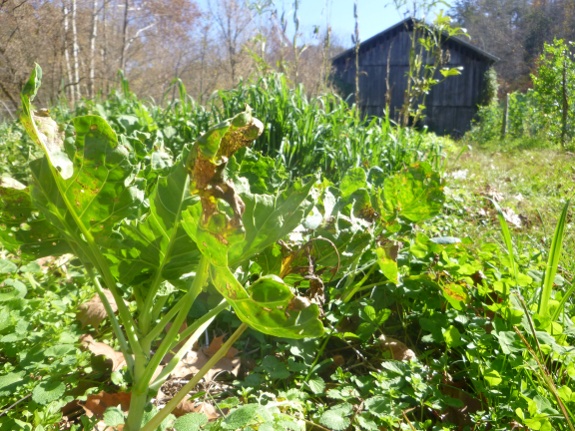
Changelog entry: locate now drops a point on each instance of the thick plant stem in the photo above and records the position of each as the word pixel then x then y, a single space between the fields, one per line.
pixel 191 334
pixel 144 368
pixel 172 404
pixel 166 344
pixel 138 403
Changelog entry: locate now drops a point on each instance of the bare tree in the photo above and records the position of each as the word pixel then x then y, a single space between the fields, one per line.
pixel 233 20
pixel 93 36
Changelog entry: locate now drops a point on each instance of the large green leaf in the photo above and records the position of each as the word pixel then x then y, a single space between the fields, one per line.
pixel 230 225
pixel 22 228
pixel 85 198
pixel 100 192
pixel 85 187
pixel 414 194
pixel 268 218
pixel 157 247
pixel 270 307
pixel 213 236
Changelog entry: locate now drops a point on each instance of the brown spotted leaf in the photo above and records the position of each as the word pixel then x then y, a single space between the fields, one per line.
pixel 208 159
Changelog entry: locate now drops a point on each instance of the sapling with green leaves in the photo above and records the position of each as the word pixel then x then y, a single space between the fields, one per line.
pixel 428 63
pixel 156 243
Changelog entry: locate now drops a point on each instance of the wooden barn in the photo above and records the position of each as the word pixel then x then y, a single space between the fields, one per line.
pixel 450 105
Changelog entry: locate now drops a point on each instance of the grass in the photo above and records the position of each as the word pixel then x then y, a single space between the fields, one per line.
pixel 469 311
pixel 534 183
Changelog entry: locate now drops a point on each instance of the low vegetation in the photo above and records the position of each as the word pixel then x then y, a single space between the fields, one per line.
pixel 369 277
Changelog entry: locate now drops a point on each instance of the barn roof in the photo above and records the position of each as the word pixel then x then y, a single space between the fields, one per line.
pixel 408 23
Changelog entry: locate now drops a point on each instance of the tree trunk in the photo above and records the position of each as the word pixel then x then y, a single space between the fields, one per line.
pixel 565 105
pixel 357 43
pixel 505 120
pixel 68 90
pixel 93 35
pixel 75 53
pixel 124 47
pixel 296 51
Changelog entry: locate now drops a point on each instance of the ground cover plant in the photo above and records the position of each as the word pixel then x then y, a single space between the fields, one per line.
pixel 439 282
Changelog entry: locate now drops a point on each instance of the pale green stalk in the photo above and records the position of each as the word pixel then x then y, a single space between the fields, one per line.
pixel 553 262
pixel 509 244
pixel 156 421
pixel 172 334
pixel 193 332
pixel 114 321
pixel 144 368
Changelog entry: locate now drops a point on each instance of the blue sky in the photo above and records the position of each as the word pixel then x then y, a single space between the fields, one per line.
pixel 374 17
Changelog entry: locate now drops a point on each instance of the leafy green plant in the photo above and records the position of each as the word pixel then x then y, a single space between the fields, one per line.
pixel 554 83
pixel 155 245
pixel 428 63
pixel 42 365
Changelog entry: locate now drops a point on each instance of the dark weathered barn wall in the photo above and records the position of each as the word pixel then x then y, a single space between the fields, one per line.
pixel 451 105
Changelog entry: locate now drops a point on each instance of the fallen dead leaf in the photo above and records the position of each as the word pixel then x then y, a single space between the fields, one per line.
pixel 191 406
pixel 492 193
pixel 460 416
pixel 50 262
pixel 96 404
pixel 216 344
pixel 116 358
pixel 398 350
pixel 195 360
pixel 93 311
pixel 101 426
pixel 511 217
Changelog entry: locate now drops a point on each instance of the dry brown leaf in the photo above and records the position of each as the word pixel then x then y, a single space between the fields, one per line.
pixel 398 350
pixel 195 360
pixel 101 426
pixel 216 344
pixel 116 358
pixel 93 311
pixel 191 406
pixel 460 416
pixel 48 262
pixel 492 193
pixel 97 404
pixel 511 217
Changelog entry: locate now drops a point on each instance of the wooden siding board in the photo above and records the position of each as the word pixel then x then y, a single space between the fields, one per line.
pixel 451 104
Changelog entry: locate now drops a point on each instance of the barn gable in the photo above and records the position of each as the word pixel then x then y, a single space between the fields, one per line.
pixel 451 105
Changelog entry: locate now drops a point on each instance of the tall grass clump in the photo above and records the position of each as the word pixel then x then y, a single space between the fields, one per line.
pixel 325 133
